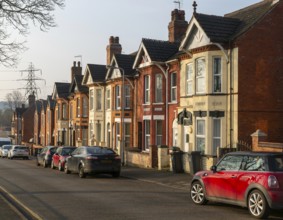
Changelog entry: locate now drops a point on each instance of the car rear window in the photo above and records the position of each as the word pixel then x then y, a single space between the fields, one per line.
pixel 7 147
pixel 99 150
pixel 276 163
pixel 21 148
pixel 67 151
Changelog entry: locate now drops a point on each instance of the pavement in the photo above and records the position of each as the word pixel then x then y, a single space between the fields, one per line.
pixel 165 178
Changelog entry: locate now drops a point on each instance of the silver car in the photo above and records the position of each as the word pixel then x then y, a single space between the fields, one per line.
pixel 4 150
pixel 18 151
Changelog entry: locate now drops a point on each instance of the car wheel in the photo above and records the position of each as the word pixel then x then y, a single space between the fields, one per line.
pixel 197 193
pixel 66 169
pixel 11 158
pixel 37 163
pixel 116 174
pixel 257 204
pixel 44 164
pixel 60 168
pixel 81 172
pixel 52 165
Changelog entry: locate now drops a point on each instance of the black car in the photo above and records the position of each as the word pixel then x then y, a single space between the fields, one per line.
pixel 93 160
pixel 44 157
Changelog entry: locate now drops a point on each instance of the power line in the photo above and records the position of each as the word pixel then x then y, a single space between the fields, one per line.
pixel 31 87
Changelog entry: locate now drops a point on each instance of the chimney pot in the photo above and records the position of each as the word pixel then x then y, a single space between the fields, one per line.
pixel 116 40
pixel 111 40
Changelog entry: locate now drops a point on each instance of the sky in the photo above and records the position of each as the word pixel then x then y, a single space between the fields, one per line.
pixel 83 31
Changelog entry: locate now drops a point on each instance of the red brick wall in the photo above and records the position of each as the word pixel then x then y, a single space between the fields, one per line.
pixel 261 78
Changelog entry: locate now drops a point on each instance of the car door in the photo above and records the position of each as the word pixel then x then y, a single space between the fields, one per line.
pixel 73 159
pixel 41 155
pixel 222 183
pixel 56 156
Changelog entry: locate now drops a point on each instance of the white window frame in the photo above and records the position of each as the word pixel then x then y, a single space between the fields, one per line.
pixel 118 134
pixel 146 89
pixel 98 99
pixel 173 87
pixel 217 74
pixel 158 127
pixel 118 97
pixel 146 134
pixel 64 110
pixel 158 88
pixel 108 98
pixel 127 96
pixel 200 134
pixel 216 135
pixel 189 79
pixel 98 132
pixel 85 107
pixel 91 99
pixel 127 137
pixel 200 75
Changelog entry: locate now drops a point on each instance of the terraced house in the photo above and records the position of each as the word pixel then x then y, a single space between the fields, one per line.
pixel 213 83
pixel 231 80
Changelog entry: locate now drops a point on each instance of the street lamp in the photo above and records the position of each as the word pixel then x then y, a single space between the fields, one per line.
pixel 122 148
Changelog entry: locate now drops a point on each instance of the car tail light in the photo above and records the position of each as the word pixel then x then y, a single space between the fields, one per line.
pixel 273 182
pixel 91 158
pixel 117 158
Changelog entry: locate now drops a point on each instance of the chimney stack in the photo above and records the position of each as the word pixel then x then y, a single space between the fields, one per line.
pixel 177 26
pixel 31 99
pixel 114 47
pixel 76 70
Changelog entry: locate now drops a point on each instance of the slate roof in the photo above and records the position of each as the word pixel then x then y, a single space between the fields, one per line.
pixel 51 102
pixel 38 106
pixel 159 50
pixel 77 81
pixel 20 111
pixel 218 29
pixel 44 104
pixel 126 62
pixel 62 89
pixel 250 15
pixel 98 72
pixel 222 29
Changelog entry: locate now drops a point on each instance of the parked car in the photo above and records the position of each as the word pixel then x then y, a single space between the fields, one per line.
pixel 5 141
pixel 93 160
pixel 59 157
pixel 18 151
pixel 4 150
pixel 44 157
pixel 249 179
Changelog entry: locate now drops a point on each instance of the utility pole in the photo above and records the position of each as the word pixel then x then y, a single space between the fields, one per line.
pixel 31 87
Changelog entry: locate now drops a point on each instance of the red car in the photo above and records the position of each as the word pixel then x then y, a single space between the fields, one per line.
pixel 59 158
pixel 248 179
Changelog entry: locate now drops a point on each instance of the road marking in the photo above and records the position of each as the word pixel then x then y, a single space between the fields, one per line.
pixel 28 210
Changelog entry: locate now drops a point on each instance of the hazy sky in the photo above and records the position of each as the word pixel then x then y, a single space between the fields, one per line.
pixel 84 28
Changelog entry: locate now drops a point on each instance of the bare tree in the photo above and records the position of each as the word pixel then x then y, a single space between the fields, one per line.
pixel 15 99
pixel 17 15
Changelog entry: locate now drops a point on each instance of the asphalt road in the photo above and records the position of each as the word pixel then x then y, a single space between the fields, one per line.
pixel 52 195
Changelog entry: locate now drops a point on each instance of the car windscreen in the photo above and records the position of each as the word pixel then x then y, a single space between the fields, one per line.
pixel 99 150
pixel 276 163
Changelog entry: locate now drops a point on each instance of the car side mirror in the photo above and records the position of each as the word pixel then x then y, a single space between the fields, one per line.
pixel 213 168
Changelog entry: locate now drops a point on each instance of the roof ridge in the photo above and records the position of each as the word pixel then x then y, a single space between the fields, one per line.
pixel 249 7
